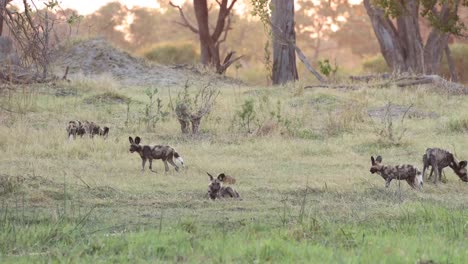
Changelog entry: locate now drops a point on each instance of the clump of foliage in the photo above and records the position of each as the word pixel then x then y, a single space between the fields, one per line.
pixel 346 119
pixel 458 125
pixel 191 109
pixel 173 53
pixel 327 69
pixel 259 117
pixel 150 116
pixel 375 64
pixel 9 184
pixel 246 115
pixel 389 132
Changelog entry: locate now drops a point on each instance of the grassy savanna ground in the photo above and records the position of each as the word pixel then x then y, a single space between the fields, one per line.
pixel 307 194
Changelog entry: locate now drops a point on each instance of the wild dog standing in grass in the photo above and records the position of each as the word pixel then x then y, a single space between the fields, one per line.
pixel 217 190
pixel 92 129
pixel 438 159
pixel 225 178
pixel 151 152
pixel 400 172
pixel 75 128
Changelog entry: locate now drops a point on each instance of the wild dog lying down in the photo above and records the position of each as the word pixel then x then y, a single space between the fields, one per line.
pixel 217 190
pixel 224 178
pixel 151 152
pixel 75 127
pixel 400 172
pixel 438 159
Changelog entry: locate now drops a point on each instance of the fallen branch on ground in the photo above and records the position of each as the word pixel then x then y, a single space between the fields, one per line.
pixel 451 87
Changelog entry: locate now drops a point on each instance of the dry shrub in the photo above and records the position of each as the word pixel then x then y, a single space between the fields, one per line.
pixel 9 184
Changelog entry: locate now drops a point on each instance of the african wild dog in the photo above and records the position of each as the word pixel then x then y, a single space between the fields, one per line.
pixel 217 190
pixel 150 152
pixel 400 172
pixel 225 178
pixel 75 128
pixel 438 159
pixel 92 129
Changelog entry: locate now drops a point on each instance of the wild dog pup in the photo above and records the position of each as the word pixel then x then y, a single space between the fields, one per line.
pixel 217 190
pixel 225 178
pixel 74 128
pixel 400 172
pixel 92 129
pixel 438 159
pixel 150 152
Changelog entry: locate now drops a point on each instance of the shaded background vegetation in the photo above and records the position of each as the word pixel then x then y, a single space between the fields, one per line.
pixel 338 31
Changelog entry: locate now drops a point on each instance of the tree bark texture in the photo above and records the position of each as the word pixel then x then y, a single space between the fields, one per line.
pixel 400 39
pixel 284 57
pixel 210 42
pixel 2 12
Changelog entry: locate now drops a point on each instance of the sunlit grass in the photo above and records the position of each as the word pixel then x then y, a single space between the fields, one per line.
pixel 306 188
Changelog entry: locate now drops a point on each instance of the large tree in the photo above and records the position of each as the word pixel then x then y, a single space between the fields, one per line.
pixel 284 38
pixel 397 28
pixel 210 40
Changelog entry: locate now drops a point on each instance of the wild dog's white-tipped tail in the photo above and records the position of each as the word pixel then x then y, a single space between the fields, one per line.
pixel 420 180
pixel 179 158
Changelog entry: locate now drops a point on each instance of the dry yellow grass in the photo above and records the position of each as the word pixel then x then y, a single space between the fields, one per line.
pixel 321 148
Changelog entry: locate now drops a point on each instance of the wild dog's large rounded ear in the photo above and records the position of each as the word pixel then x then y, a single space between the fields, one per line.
pixel 211 176
pixel 221 176
pixel 137 140
pixel 463 163
pixel 372 160
pixel 379 159
pixel 130 139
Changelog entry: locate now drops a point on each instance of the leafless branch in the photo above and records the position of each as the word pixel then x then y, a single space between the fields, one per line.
pixel 228 61
pixel 186 23
pixel 226 31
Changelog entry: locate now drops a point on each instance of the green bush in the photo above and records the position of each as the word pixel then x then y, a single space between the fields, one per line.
pixel 172 53
pixel 460 56
pixel 458 125
pixel 375 64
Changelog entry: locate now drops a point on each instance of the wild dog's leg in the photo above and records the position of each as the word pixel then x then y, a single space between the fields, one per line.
pixel 412 182
pixel 430 174
pixel 231 192
pixel 151 165
pixel 143 162
pixel 425 165
pixel 166 167
pixel 439 171
pixel 171 161
pixel 436 173
pixel 387 181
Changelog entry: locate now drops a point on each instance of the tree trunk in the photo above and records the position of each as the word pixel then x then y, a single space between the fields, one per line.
pixel 401 45
pixel 209 50
pixel 2 12
pixel 451 64
pixel 387 36
pixel 195 124
pixel 284 56
pixel 184 126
